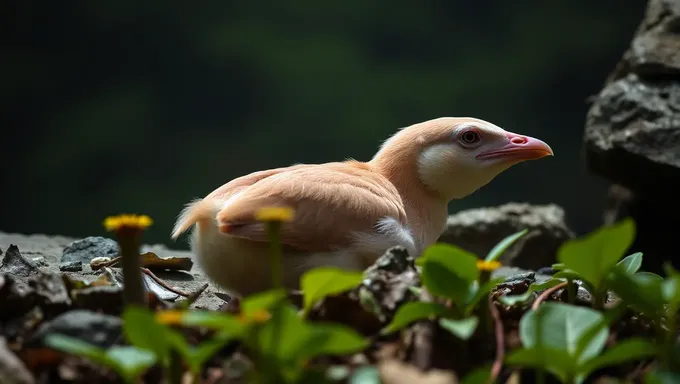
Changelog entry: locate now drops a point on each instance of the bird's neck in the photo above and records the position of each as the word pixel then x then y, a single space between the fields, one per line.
pixel 425 211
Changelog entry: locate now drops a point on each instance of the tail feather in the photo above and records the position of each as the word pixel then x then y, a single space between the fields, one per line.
pixel 199 210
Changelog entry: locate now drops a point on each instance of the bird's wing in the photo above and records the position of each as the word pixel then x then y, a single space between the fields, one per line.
pixel 331 201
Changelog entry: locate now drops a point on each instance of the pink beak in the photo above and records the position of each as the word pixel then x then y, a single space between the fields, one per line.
pixel 519 147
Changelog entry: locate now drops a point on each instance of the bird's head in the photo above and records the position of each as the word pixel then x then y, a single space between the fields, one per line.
pixel 454 157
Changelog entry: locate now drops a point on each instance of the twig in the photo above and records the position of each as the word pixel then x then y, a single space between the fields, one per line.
pixel 194 296
pixel 547 293
pixel 162 283
pixel 500 341
pixel 103 264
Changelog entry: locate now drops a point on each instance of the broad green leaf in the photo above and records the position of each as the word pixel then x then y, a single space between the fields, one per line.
pixel 463 328
pixel 324 281
pixel 457 260
pixel 642 291
pixel 595 254
pixel 296 339
pixel 441 281
pixel 661 377
pixel 670 287
pixel 631 263
pixel 415 310
pixel 195 357
pixel 626 350
pixel 225 322
pixel 285 337
pixel 524 297
pixel 126 361
pixel 476 294
pixel 263 300
pixel 554 361
pixel 504 244
pixel 562 326
pixel 142 331
pixel 76 347
pixel 131 360
pixel 479 375
pixel 335 339
pixel 365 375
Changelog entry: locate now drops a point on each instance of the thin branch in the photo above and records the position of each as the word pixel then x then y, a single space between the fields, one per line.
pixel 162 283
pixel 500 341
pixel 547 293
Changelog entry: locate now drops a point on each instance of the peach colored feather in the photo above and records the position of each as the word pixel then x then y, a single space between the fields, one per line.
pixel 347 213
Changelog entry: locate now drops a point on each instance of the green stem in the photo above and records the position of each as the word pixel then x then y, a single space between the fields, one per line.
pixel 174 371
pixel 572 290
pixel 275 249
pixel 485 312
pixel 133 290
pixel 671 317
pixel 598 299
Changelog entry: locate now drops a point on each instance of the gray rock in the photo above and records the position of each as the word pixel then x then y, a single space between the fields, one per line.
pixel 71 266
pixel 95 328
pixel 479 230
pixel 632 135
pixel 15 264
pixel 88 248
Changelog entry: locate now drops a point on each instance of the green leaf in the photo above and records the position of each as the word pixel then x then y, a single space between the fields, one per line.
pixel 228 323
pixel 479 375
pixel 127 361
pixel 594 255
pixel 195 357
pixel 131 361
pixel 641 291
pixel 631 263
pixel 320 282
pixel 142 331
pixel 415 310
pixel 504 244
pixel 335 339
pixel 457 260
pixel 670 287
pixel 296 339
pixel 441 281
pixel 555 361
pixel 511 300
pixel 661 377
pixel 626 350
pixel 262 301
pixel 463 328
pixel 476 294
pixel 449 271
pixel 562 327
pixel 77 347
pixel 367 374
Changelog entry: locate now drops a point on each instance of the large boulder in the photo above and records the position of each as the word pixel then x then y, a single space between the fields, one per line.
pixel 632 133
pixel 479 230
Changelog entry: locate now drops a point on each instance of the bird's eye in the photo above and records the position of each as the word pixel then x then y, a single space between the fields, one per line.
pixel 470 137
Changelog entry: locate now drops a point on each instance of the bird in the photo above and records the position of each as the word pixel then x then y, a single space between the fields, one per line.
pixel 348 213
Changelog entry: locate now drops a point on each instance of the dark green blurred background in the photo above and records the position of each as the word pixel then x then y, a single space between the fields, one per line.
pixel 140 106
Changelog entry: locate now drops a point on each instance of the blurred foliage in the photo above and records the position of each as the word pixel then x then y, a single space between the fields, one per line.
pixel 145 105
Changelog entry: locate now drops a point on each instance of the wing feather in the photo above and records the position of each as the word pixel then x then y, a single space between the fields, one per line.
pixel 332 202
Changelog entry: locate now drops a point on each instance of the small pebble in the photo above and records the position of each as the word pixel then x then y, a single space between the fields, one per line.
pixel 72 266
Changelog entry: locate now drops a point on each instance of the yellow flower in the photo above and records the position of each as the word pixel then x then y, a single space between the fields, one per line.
pixel 488 266
pixel 169 317
pixel 275 214
pixel 115 223
pixel 259 316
